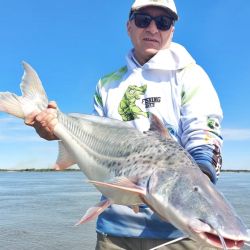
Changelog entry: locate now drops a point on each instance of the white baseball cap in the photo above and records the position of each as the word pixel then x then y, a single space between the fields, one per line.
pixel 166 4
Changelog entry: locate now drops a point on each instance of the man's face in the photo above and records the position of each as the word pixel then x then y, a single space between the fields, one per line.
pixel 148 41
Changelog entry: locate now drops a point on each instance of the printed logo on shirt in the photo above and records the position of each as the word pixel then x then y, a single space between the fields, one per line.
pixel 150 102
pixel 128 109
pixel 214 125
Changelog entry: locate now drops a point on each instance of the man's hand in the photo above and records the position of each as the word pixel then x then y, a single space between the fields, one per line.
pixel 44 122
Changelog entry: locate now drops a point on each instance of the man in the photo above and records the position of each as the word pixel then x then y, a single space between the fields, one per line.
pixel 160 77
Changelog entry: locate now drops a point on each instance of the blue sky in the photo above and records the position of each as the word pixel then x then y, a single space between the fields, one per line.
pixel 72 43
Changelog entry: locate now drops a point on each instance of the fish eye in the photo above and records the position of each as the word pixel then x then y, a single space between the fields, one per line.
pixel 196 189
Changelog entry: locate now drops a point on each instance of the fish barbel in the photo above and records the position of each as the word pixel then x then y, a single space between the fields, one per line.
pixel 130 168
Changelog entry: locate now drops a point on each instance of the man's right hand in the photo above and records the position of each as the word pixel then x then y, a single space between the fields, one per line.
pixel 44 122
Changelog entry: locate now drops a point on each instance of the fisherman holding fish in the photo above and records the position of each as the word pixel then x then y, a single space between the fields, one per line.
pixel 162 78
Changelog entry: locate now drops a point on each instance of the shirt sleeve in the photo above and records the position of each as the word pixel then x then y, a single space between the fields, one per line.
pixel 98 103
pixel 201 116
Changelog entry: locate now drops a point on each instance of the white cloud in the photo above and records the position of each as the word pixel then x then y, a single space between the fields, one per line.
pixel 7 119
pixel 10 121
pixel 14 130
pixel 20 138
pixel 236 134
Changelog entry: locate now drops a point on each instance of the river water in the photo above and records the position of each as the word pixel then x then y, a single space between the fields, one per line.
pixel 38 210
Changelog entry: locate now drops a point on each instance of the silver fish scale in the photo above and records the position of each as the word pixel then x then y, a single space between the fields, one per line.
pixel 103 139
pixel 123 150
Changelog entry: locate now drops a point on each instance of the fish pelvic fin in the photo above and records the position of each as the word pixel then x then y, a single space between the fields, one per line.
pixel 33 99
pixel 64 158
pixel 94 211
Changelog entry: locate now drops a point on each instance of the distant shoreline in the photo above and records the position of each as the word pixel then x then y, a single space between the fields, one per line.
pixel 38 170
pixel 76 170
pixel 236 170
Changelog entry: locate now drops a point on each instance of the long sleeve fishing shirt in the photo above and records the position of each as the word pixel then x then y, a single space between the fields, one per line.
pixel 179 92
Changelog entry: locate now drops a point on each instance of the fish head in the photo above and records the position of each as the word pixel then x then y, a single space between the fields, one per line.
pixel 189 201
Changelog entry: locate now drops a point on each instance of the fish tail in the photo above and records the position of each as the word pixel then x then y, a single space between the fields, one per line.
pixel 33 99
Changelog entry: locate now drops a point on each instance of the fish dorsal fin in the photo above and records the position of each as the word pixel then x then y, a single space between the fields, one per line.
pixel 158 127
pixel 64 159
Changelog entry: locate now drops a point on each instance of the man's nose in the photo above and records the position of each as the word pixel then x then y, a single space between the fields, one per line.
pixel 152 27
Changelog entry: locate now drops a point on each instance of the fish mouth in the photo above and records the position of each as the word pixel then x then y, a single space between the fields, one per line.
pixel 212 236
pixel 214 240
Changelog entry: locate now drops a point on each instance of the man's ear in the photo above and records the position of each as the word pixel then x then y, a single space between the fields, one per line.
pixel 129 27
pixel 172 29
pixel 172 32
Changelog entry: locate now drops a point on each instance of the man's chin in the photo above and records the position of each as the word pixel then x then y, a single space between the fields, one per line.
pixel 151 52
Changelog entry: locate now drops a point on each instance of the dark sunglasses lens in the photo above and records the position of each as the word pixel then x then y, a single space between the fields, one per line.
pixel 163 22
pixel 142 21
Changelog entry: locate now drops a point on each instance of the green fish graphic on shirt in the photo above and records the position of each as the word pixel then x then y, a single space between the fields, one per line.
pixel 128 109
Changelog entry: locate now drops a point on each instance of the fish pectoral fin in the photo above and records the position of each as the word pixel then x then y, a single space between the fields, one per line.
pixel 64 159
pixel 122 184
pixel 94 211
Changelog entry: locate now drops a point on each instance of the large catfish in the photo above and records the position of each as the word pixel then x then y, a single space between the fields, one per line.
pixel 130 168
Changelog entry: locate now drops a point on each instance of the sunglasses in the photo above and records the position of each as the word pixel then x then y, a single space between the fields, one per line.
pixel 143 20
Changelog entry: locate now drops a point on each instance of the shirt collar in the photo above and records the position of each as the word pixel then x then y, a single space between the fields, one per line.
pixel 173 58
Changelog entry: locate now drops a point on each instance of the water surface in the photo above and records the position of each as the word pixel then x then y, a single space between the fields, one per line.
pixel 38 209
